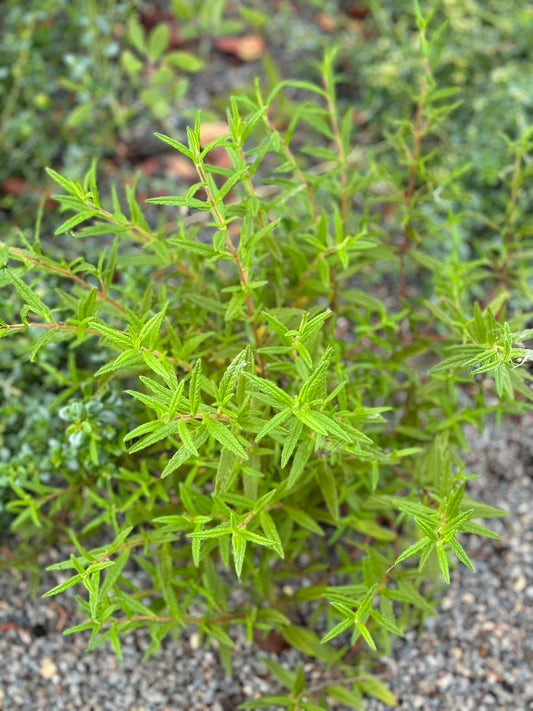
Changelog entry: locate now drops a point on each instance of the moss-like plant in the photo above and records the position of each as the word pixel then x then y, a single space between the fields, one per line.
pixel 303 363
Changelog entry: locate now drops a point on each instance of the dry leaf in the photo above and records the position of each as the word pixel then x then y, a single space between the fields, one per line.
pixel 14 185
pixel 210 130
pixel 271 641
pixel 178 166
pixel 247 49
pixel 358 11
pixel 326 22
pixel 150 166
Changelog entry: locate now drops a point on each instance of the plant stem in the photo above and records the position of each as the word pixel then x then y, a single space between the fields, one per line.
pixel 419 130
pixel 23 256
pixel 235 253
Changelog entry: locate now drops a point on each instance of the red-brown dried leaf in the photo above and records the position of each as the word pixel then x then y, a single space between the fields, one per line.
pixel 270 641
pixel 247 48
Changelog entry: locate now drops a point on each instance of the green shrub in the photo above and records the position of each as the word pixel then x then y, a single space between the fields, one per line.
pixel 60 90
pixel 302 366
pixel 76 77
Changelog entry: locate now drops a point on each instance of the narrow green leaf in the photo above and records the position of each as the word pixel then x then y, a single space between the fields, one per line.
pixel 219 633
pixel 304 520
pixel 175 144
pixel 180 201
pixel 75 220
pixel 344 695
pixel 80 628
pixel 150 330
pixel 141 430
pixel 299 682
pixel 127 359
pixel 51 335
pixel 186 437
pixel 121 340
pixel 161 432
pixel 443 562
pixel 455 524
pixel 115 641
pixel 366 635
pixel 304 639
pixel 236 303
pixel 295 430
pixel 376 688
pixel 479 530
pixel 160 365
pixel 183 453
pixel 303 452
pixel 195 384
pixel 176 400
pixel 223 435
pixel 30 297
pixel 231 182
pixel 136 34
pixel 279 672
pixel 148 400
pixel 64 586
pixel 274 422
pixel 387 622
pixel 225 471
pixel 275 324
pixel 281 398
pixel 460 552
pixel 229 380
pixel 313 326
pixel 309 418
pixel 238 543
pixel 454 501
pixel 86 307
pixel 66 183
pixel 337 630
pixel 328 487
pixel 480 329
pixel 271 532
pixel 315 386
pixel 416 548
pixel 224 529
pixel 503 383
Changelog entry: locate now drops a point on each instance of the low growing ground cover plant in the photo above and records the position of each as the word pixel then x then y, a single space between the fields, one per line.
pixel 298 369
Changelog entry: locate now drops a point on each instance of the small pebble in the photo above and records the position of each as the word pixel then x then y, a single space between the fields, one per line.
pixel 48 668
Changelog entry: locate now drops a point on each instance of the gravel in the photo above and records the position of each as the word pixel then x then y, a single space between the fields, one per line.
pixel 477 653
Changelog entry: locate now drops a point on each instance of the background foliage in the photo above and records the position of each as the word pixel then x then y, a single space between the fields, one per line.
pixel 276 392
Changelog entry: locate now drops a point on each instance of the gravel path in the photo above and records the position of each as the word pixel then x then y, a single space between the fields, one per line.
pixel 476 654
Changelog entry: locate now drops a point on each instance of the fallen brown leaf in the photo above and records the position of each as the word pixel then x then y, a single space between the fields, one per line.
pixel 247 48
pixel 210 130
pixel 326 22
pixel 178 166
pixel 270 641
